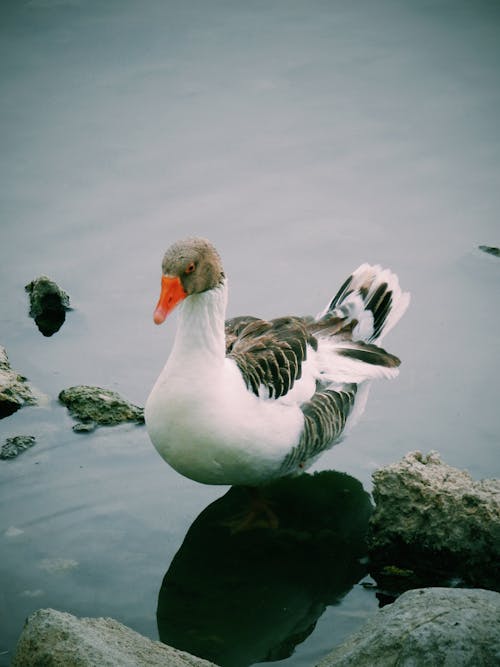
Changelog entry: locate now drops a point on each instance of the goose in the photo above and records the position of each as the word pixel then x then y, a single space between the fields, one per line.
pixel 247 401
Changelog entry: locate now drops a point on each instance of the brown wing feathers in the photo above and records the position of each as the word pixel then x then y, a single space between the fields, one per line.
pixel 325 416
pixel 369 354
pixel 269 353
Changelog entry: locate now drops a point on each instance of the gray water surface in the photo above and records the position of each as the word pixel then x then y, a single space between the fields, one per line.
pixel 302 138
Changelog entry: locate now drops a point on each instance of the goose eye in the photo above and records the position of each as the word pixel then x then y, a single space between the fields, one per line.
pixel 190 267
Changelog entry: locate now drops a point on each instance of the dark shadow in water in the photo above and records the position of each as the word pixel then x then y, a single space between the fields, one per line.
pixel 245 597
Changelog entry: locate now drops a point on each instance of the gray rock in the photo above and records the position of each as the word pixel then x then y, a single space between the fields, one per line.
pixel 432 518
pixel 491 250
pixel 57 639
pixel 96 406
pixel 14 390
pixel 16 445
pixel 48 304
pixel 427 627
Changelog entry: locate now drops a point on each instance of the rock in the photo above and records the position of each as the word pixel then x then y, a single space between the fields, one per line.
pixel 57 639
pixel 427 627
pixel 491 250
pixel 96 406
pixel 16 445
pixel 48 304
pixel 436 521
pixel 14 390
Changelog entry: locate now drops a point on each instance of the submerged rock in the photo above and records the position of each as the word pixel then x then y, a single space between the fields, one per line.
pixel 94 406
pixel 56 639
pixel 16 445
pixel 48 304
pixel 429 627
pixel 435 521
pixel 491 250
pixel 14 390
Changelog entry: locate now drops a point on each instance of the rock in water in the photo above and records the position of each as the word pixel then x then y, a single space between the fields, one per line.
pixel 427 627
pixel 14 390
pixel 48 304
pixel 491 250
pixel 56 639
pixel 435 520
pixel 16 445
pixel 97 406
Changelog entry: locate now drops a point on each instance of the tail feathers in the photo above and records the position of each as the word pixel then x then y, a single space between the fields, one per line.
pixel 371 296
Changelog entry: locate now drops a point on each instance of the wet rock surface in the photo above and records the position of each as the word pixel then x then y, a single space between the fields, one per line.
pixel 57 639
pixel 48 304
pixel 14 389
pixel 16 445
pixel 433 522
pixel 431 627
pixel 95 406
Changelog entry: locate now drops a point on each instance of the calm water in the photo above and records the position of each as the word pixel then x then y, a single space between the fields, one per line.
pixel 303 138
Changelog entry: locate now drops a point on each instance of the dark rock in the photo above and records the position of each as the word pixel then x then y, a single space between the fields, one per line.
pixel 56 639
pixel 16 445
pixel 491 250
pixel 429 627
pixel 14 390
pixel 48 304
pixel 96 406
pixel 433 523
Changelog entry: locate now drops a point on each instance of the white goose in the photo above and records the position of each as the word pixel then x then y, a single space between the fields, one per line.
pixel 246 401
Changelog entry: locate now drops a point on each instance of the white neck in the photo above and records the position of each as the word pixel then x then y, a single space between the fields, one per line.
pixel 200 329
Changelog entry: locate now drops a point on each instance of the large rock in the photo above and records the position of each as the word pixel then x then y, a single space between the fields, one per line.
pixel 94 406
pixel 14 390
pixel 48 304
pixel 57 639
pixel 436 521
pixel 428 627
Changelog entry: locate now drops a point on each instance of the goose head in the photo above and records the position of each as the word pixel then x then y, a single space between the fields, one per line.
pixel 190 266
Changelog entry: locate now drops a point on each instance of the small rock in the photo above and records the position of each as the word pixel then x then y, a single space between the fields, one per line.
pixel 84 428
pixel 436 521
pixel 16 445
pixel 14 390
pixel 48 304
pixel 491 250
pixel 427 627
pixel 56 639
pixel 96 406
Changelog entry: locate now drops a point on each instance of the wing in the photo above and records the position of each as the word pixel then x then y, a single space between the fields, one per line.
pixel 325 416
pixel 270 353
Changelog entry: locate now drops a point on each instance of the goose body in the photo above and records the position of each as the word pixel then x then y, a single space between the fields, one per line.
pixel 246 401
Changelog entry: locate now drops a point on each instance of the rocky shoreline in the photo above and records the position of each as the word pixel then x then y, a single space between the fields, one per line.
pixel 434 542
pixel 424 627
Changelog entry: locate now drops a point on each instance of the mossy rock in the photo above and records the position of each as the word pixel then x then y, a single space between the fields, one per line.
pixel 103 407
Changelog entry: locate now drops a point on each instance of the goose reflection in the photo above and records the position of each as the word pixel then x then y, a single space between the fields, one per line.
pixel 237 598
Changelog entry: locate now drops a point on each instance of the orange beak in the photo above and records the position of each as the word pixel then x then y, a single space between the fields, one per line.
pixel 172 292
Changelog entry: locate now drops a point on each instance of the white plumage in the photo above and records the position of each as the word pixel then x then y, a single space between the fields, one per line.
pixel 251 401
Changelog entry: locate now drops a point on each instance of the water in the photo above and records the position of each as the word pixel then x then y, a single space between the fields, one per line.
pixel 302 138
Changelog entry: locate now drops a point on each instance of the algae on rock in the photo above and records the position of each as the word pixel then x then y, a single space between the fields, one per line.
pixel 97 406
